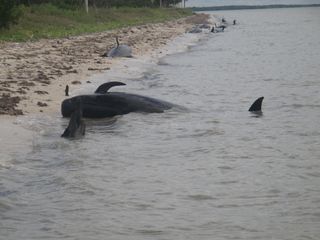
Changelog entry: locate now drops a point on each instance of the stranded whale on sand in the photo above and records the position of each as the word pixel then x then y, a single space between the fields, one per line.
pixel 121 50
pixel 108 104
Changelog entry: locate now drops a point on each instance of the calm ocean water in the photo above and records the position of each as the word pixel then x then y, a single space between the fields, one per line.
pixel 212 172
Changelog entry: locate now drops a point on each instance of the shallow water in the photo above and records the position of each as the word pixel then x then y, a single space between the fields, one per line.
pixel 214 171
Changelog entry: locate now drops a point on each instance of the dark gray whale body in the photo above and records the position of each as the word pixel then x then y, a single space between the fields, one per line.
pixel 109 104
pixel 121 50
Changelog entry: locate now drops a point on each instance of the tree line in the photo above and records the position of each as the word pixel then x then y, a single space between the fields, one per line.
pixel 10 10
pixel 102 3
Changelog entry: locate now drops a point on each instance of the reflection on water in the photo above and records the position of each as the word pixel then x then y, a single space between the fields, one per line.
pixel 212 172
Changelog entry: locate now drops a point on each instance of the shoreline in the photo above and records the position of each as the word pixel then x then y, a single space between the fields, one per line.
pixel 33 75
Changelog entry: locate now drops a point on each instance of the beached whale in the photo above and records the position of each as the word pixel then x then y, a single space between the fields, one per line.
pixel 256 106
pixel 121 50
pixel 204 26
pixel 76 127
pixel 108 104
pixel 195 29
pixel 216 29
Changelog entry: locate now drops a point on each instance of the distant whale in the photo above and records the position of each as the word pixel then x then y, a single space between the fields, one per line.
pixel 216 28
pixel 109 104
pixel 195 29
pixel 76 127
pixel 256 106
pixel 121 50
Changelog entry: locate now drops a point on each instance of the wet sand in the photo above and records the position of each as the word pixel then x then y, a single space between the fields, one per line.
pixel 33 75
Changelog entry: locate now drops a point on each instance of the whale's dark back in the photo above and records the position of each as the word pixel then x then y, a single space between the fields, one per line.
pixel 113 103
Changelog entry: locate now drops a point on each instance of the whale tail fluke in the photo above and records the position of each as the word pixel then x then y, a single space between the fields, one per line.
pixel 103 88
pixel 256 106
pixel 76 127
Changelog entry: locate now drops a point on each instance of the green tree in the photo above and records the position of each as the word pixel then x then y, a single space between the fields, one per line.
pixel 9 13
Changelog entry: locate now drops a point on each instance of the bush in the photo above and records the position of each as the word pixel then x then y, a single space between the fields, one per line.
pixel 9 13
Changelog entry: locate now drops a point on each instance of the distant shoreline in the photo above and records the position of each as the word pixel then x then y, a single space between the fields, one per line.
pixel 249 7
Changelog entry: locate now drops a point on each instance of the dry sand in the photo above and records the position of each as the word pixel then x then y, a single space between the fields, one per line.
pixel 33 75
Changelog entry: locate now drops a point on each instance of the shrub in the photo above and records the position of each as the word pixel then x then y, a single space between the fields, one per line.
pixel 9 13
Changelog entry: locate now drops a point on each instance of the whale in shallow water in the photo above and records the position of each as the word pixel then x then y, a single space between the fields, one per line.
pixel 109 104
pixel 216 29
pixel 256 107
pixel 76 127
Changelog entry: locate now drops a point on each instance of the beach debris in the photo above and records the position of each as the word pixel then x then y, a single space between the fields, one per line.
pixel 75 82
pixel 41 92
pixel 98 69
pixel 41 104
pixel 8 105
pixel 66 90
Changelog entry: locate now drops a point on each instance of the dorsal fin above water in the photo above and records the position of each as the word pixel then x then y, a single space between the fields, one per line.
pixel 103 88
pixel 256 106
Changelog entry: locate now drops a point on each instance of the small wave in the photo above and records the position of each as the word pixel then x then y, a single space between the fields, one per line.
pixel 227 182
pixel 305 105
pixel 5 206
pixel 225 167
pixel 150 232
pixel 228 206
pixel 162 62
pixel 5 161
pixel 200 197
pixel 314 174
pixel 208 132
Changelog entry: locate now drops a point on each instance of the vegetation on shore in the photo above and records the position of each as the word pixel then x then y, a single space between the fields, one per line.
pixel 50 21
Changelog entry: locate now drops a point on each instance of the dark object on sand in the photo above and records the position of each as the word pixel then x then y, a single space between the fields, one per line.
pixel 67 90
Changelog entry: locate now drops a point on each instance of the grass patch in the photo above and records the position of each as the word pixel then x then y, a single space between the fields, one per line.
pixel 48 21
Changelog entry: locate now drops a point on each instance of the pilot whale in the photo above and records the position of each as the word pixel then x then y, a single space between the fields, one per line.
pixel 256 106
pixel 121 50
pixel 108 104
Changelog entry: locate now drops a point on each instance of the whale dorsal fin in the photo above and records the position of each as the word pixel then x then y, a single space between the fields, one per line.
pixel 103 88
pixel 117 41
pixel 256 106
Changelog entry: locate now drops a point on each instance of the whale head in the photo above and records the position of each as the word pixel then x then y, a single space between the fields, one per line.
pixel 69 105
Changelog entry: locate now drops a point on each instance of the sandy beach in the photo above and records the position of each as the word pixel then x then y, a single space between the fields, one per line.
pixel 33 75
